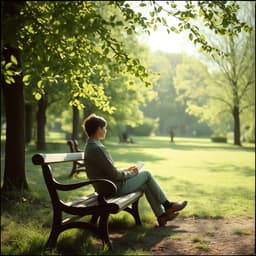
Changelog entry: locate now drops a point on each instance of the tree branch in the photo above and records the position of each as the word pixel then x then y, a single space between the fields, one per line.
pixel 222 100
pixel 245 107
pixel 246 88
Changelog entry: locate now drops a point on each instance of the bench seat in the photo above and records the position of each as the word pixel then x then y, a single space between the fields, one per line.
pixel 118 202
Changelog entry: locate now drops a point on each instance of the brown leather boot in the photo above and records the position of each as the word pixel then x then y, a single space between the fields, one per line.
pixel 162 220
pixel 176 207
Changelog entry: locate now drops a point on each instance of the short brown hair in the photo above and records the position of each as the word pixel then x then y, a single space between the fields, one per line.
pixel 92 123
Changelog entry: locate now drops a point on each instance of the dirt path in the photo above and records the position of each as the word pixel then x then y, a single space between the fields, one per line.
pixel 208 237
pixel 191 236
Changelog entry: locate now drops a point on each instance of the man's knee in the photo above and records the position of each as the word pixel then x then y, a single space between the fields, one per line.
pixel 146 174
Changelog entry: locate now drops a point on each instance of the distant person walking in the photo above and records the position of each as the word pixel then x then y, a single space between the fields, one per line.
pixel 171 135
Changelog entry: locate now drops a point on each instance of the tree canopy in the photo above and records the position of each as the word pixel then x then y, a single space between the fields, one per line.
pixel 60 41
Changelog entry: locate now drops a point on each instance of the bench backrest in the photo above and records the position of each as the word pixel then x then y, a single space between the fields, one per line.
pixel 71 145
pixel 45 160
pixel 74 146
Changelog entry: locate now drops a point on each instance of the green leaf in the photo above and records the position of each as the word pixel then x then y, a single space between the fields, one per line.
pixel 8 65
pixel 202 37
pixel 38 96
pixel 129 31
pixel 190 36
pixel 164 20
pixel 10 73
pixel 14 60
pixel 174 29
pixel 106 51
pixel 112 17
pixel 8 80
pixel 142 4
pixel 159 9
pixel 201 12
pixel 26 78
pixel 46 69
pixel 187 26
pixel 39 83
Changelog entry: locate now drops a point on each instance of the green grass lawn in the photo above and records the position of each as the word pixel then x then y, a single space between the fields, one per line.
pixel 217 179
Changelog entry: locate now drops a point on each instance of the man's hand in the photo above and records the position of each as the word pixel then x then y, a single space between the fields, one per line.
pixel 133 169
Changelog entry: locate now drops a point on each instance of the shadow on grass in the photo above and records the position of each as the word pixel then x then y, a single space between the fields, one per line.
pixel 243 171
pixel 142 238
pixel 125 241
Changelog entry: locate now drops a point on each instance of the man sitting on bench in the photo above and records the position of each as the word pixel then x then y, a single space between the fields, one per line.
pixel 99 165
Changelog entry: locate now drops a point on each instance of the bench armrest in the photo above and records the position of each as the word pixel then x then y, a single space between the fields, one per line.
pixel 67 187
pixel 107 187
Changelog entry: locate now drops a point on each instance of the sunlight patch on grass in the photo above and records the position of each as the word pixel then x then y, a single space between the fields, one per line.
pixel 176 236
pixel 242 231
pixel 201 243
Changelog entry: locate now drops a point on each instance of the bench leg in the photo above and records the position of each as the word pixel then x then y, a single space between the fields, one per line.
pixel 56 229
pixel 73 171
pixel 134 211
pixel 94 218
pixel 103 230
pixel 51 243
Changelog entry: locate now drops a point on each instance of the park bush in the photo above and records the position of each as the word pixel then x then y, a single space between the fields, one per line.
pixel 219 139
pixel 147 128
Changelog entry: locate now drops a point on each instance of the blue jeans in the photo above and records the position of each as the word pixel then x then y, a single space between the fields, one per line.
pixel 145 181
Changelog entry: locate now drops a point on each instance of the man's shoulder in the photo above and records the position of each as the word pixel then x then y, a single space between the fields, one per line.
pixel 92 146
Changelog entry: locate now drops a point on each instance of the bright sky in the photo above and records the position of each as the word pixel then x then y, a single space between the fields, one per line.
pixel 161 40
pixel 171 43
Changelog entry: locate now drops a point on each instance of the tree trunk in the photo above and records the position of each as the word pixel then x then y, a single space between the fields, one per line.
pixel 75 123
pixel 236 126
pixel 41 122
pixel 28 122
pixel 14 169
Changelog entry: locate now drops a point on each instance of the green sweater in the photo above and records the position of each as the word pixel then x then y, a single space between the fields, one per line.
pixel 99 164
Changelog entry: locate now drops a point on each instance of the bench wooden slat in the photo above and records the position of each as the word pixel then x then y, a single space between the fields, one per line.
pixel 84 200
pixel 122 201
pixel 40 159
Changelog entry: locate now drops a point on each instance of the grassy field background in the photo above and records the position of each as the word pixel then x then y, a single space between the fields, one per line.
pixel 217 179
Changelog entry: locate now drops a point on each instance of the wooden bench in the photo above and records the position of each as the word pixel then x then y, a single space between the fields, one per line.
pixel 78 166
pixel 98 206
